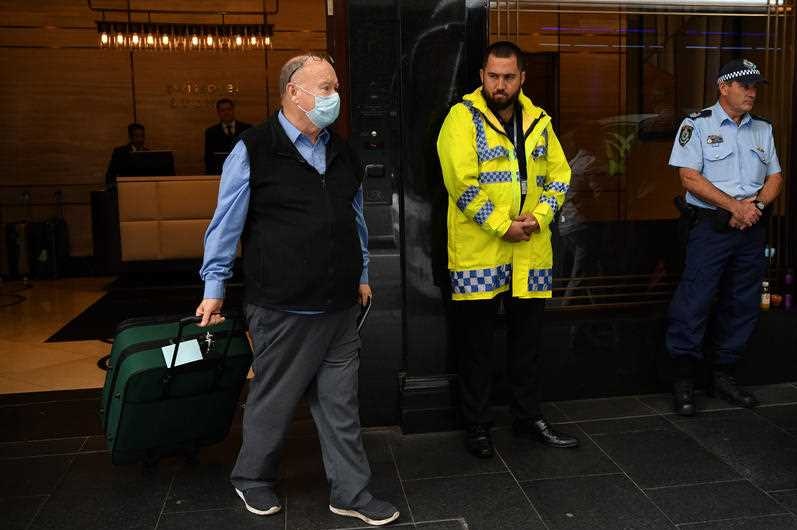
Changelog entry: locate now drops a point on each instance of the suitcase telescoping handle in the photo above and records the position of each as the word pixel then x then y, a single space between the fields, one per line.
pixel 167 379
pixel 196 320
pixel 177 340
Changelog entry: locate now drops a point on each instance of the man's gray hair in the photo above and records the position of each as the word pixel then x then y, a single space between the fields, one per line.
pixel 292 66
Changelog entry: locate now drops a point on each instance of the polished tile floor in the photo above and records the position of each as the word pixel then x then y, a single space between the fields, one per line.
pixel 638 466
pixel 29 314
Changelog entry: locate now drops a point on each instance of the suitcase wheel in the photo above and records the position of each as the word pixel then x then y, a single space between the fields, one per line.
pixel 151 459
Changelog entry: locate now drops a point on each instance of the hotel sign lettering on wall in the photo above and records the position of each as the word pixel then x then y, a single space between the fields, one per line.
pixel 192 94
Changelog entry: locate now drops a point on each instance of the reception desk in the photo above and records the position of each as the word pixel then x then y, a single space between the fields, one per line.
pixel 163 218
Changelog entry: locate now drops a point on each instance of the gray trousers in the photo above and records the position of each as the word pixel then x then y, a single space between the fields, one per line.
pixel 316 356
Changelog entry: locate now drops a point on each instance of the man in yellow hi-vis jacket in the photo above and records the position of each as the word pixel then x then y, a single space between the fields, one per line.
pixel 506 176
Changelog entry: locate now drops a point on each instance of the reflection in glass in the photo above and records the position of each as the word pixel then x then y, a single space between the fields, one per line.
pixel 617 86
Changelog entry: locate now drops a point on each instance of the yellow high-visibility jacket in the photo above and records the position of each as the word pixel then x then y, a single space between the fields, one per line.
pixel 480 170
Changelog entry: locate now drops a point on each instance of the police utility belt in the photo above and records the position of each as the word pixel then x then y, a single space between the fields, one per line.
pixel 719 218
pixel 692 215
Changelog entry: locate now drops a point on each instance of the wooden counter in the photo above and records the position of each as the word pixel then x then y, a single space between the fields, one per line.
pixel 163 218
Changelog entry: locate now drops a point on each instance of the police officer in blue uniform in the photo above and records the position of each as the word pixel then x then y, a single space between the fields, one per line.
pixel 727 162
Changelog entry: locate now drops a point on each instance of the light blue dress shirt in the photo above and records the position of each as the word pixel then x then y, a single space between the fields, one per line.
pixel 224 231
pixel 734 158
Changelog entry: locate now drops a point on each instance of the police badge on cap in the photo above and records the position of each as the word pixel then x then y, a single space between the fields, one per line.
pixel 740 70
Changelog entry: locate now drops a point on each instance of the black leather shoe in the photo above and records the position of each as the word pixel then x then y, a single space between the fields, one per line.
pixel 726 387
pixel 540 431
pixel 683 393
pixel 478 441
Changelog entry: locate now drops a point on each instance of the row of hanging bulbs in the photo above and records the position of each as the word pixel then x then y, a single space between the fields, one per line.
pixel 186 37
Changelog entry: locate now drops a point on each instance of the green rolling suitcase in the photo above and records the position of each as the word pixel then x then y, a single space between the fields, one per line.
pixel 161 399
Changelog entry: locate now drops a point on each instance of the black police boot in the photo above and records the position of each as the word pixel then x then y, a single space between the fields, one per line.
pixel 725 386
pixel 683 388
pixel 478 441
pixel 540 431
pixel 683 392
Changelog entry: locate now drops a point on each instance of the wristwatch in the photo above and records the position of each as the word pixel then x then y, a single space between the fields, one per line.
pixel 761 205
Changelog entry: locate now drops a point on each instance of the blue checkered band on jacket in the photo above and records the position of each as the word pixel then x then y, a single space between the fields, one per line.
pixel 480 280
pixel 492 177
pixel 557 186
pixel 541 150
pixel 484 212
pixel 493 153
pixel 540 280
pixel 540 181
pixel 550 201
pixel 467 196
pixel 483 151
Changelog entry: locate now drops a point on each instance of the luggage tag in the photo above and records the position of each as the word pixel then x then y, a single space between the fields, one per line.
pixel 207 345
pixel 188 352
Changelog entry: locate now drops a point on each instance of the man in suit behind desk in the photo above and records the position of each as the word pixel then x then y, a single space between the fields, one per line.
pixel 120 159
pixel 221 137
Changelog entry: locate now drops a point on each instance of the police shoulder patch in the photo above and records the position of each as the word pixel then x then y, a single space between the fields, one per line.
pixel 685 135
pixel 760 118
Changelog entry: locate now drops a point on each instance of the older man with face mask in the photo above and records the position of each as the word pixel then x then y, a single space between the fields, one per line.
pixel 291 192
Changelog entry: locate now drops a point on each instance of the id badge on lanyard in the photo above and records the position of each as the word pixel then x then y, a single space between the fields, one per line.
pixel 524 181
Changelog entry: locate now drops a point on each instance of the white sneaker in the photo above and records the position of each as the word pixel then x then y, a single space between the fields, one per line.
pixel 375 513
pixel 261 500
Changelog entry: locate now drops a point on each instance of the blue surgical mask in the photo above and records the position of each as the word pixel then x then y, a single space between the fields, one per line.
pixel 326 110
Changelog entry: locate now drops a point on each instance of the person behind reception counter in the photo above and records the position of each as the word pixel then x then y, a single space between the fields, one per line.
pixel 120 159
pixel 221 138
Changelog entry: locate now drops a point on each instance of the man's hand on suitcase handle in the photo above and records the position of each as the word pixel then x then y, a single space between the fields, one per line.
pixel 364 294
pixel 209 310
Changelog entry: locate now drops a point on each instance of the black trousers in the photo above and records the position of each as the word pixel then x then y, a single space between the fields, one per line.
pixel 727 265
pixel 474 327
